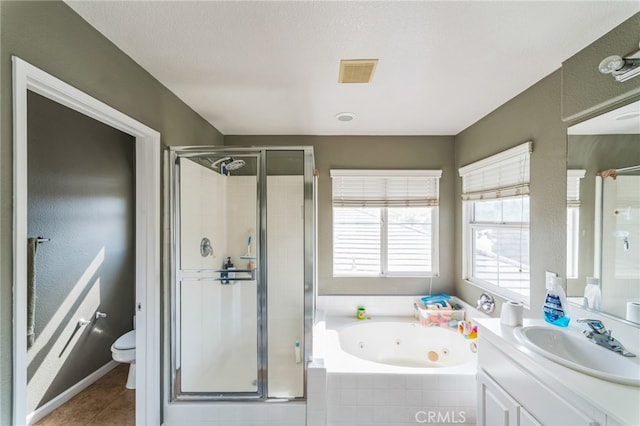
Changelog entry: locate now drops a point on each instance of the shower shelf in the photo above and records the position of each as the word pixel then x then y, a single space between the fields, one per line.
pixel 246 275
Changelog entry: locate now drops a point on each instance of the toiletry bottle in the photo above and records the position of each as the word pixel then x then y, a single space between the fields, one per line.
pixel 555 304
pixel 592 293
pixel 297 352
pixel 230 269
pixel 224 275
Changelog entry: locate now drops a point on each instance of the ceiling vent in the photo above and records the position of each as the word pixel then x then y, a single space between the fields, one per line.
pixel 357 70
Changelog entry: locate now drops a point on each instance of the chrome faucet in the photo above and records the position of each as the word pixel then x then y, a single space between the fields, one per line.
pixel 601 336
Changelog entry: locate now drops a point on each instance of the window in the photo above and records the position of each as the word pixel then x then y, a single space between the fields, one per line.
pixel 573 220
pixel 495 195
pixel 385 222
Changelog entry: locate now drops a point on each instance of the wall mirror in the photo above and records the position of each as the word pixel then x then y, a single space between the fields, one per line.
pixel 603 211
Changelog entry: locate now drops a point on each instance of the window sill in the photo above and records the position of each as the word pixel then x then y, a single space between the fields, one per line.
pixel 384 276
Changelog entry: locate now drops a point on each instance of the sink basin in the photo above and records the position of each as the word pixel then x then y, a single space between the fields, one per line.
pixel 577 352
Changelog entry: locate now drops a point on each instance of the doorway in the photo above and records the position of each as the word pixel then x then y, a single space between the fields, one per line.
pixel 27 78
pixel 81 204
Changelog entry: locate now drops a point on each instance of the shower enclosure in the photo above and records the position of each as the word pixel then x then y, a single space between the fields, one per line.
pixel 242 241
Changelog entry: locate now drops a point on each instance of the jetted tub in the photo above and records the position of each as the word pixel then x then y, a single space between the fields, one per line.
pixel 406 344
pixel 394 370
pixel 396 345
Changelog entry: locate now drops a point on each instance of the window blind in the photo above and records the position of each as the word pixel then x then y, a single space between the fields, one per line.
pixel 573 187
pixel 502 175
pixel 385 188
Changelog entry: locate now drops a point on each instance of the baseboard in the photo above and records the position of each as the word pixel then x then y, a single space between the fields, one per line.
pixel 65 396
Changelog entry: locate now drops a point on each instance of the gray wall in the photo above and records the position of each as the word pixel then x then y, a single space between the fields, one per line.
pixel 81 194
pixel 51 36
pixel 574 93
pixel 375 152
pixel 584 89
pixel 533 115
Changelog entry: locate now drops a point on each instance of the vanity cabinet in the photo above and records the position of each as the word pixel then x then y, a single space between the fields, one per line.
pixel 497 408
pixel 509 395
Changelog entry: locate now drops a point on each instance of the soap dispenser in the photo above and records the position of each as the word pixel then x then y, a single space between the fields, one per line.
pixel 230 268
pixel 224 275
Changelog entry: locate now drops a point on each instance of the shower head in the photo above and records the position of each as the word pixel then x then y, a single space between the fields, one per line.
pixel 229 163
pixel 234 164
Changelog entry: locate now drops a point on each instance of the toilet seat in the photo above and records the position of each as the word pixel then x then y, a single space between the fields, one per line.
pixel 126 341
pixel 124 350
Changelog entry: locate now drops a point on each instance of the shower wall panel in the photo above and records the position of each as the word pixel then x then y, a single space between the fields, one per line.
pixel 218 322
pixel 203 214
pixel 285 284
pixel 241 207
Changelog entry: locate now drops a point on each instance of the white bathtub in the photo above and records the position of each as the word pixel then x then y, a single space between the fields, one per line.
pixel 392 370
pixel 395 345
pixel 406 344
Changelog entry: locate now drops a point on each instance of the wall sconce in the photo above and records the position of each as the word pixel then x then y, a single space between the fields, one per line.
pixel 621 68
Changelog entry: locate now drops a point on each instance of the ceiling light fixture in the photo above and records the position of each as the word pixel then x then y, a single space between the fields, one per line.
pixel 345 116
pixel 622 69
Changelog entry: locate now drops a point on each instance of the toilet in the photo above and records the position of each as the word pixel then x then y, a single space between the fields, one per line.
pixel 124 350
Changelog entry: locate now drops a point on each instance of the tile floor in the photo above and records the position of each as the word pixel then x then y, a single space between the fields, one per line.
pixel 106 402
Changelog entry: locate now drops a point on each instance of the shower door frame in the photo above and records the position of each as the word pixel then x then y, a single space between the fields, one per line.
pixel 172 296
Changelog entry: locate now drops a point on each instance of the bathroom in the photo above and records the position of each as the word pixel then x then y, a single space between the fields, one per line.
pixel 533 115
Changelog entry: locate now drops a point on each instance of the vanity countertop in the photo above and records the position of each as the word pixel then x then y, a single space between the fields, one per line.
pixel 620 401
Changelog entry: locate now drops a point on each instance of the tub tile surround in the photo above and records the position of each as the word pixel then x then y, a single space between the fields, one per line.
pixel 316 393
pixel 385 399
pixel 366 398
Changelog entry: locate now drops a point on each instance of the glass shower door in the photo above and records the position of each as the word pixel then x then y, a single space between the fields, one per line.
pixel 218 302
pixel 240 332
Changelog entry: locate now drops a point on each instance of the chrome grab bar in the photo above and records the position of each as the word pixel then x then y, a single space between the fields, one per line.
pixel 224 280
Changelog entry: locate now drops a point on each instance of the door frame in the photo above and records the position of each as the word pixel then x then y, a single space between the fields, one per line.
pixel 147 234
